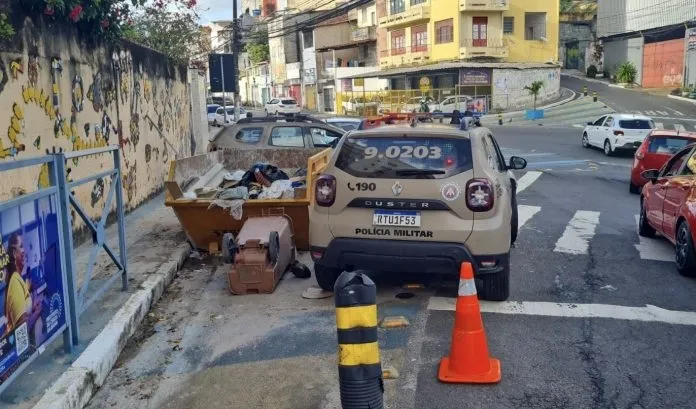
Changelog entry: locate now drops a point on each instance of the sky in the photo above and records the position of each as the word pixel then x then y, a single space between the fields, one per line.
pixel 212 10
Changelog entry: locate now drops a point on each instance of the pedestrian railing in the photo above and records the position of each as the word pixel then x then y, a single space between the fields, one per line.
pixel 39 293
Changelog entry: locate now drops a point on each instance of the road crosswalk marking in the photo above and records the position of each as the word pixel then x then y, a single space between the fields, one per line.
pixel 524 213
pixel 663 113
pixel 679 127
pixel 658 249
pixel 649 313
pixel 578 233
pixel 659 125
pixel 527 180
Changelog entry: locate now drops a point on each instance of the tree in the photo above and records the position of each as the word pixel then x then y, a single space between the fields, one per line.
pixel 173 31
pixel 578 6
pixel 534 89
pixel 257 46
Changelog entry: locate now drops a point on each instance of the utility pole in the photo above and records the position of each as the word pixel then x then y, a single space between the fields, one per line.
pixel 300 57
pixel 236 50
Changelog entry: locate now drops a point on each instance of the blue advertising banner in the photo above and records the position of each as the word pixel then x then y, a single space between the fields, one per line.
pixel 31 287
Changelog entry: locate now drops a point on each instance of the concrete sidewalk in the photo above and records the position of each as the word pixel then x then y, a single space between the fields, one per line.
pixel 156 248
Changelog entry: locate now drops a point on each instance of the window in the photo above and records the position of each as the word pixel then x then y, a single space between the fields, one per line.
pixel 249 135
pixel 498 160
pixel 287 136
pixel 220 111
pixel 288 102
pixel 599 122
pixel 444 31
pixel 636 124
pixel 609 122
pixel 323 137
pixel 673 166
pixel 508 25
pixel 667 145
pixel 397 6
pixel 308 39
pixel 374 19
pixel 398 42
pixel 363 19
pixel 273 102
pixel 419 38
pixel 414 2
pixel 535 26
pixel 380 157
pixel 212 109
pixel 690 168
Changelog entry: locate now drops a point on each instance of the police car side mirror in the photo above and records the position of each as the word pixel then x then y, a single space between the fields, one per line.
pixel 517 163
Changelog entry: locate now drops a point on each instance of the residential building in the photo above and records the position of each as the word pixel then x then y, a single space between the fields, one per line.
pixel 650 35
pixel 473 48
pixel 346 46
pixel 285 51
pixel 255 84
pixel 221 36
pixel 577 35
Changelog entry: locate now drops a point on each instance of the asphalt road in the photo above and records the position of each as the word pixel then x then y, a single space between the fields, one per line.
pixel 669 113
pixel 576 333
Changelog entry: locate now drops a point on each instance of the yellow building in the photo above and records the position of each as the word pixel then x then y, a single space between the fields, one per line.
pixel 429 31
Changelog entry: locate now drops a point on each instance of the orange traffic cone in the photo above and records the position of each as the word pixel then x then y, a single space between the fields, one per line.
pixel 468 361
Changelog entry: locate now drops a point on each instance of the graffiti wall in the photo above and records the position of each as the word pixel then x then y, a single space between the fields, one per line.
pixel 61 92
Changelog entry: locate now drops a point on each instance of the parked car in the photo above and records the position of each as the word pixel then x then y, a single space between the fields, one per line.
pixel 453 103
pixel 357 105
pixel 282 106
pixel 212 109
pixel 668 206
pixel 300 131
pixel 617 132
pixel 222 118
pixel 344 122
pixel 655 151
pixel 414 104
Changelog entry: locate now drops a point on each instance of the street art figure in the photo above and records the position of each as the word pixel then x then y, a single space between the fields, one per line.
pixel 3 76
pixel 33 70
pixel 56 71
pixel 78 94
pixel 14 131
pixel 94 93
pixel 16 68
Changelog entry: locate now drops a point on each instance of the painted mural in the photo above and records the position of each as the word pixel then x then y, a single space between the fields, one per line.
pixel 127 95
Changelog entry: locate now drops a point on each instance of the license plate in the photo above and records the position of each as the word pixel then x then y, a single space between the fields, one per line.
pixel 396 218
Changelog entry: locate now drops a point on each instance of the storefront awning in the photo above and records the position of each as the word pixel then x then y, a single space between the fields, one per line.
pixel 447 66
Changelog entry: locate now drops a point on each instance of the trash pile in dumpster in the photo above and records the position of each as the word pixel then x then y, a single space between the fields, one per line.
pixel 261 181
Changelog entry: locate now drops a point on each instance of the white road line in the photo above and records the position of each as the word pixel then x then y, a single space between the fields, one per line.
pixel 657 249
pixel 527 180
pixel 679 127
pixel 648 113
pixel 649 313
pixel 578 233
pixel 659 125
pixel 663 113
pixel 524 213
pixel 675 111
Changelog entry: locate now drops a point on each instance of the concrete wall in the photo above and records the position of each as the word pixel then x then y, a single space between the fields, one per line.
pixel 625 16
pixel 65 92
pixel 522 50
pixel 690 58
pixel 569 32
pixel 616 52
pixel 199 114
pixel 508 87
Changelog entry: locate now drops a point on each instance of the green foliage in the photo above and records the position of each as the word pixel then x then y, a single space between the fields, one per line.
pixel 592 71
pixel 626 72
pixel 257 47
pixel 534 88
pixel 173 32
pixel 578 6
pixel 6 29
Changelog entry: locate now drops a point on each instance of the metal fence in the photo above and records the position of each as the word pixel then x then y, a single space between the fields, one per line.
pixel 38 280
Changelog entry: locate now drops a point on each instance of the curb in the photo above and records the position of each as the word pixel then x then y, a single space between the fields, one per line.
pixel 588 79
pixel 693 101
pixel 555 104
pixel 87 374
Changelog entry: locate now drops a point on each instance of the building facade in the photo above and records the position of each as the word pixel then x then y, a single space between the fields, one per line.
pixel 653 36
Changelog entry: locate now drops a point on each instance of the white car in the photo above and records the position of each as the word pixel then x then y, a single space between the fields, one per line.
pixel 617 132
pixel 221 118
pixel 282 106
pixel 414 104
pixel 212 108
pixel 453 103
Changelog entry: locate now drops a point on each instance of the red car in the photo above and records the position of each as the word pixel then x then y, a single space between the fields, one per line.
pixel 655 150
pixel 668 206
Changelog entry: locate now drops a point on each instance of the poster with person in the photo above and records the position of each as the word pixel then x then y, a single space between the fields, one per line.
pixel 32 302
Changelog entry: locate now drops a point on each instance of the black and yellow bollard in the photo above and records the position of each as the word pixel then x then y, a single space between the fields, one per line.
pixel 594 96
pixel 359 366
pixel 584 90
pixel 500 119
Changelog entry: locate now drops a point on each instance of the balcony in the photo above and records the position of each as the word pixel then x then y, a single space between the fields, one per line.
pixel 413 13
pixel 492 48
pixel 412 55
pixel 363 34
pixel 484 5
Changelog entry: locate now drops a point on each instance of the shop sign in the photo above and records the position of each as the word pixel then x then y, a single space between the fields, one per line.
pixel 478 76
pixel 424 84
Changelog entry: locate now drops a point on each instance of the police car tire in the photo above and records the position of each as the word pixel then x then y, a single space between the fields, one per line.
pixel 496 287
pixel 326 277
